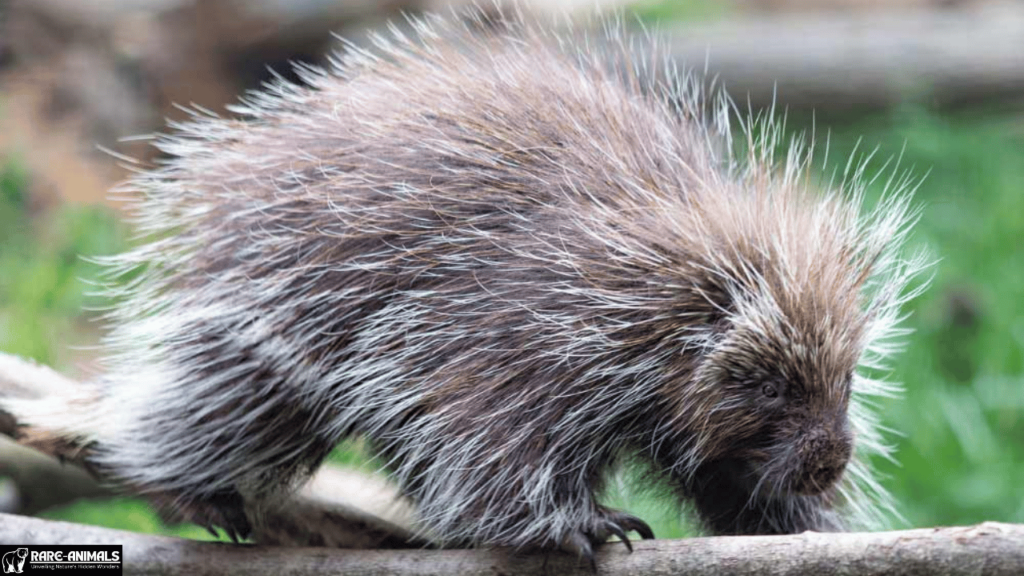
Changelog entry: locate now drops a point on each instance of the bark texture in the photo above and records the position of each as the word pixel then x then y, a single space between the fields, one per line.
pixel 991 548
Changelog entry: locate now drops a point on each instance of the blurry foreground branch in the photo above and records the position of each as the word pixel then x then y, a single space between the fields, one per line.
pixel 39 482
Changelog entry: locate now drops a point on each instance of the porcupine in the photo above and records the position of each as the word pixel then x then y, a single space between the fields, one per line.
pixel 510 262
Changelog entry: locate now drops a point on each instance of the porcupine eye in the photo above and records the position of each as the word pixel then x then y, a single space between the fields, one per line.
pixel 772 393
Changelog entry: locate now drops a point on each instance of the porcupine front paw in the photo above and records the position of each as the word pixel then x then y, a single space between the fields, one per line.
pixel 608 522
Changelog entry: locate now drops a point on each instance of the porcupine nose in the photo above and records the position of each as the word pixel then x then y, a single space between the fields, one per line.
pixel 825 458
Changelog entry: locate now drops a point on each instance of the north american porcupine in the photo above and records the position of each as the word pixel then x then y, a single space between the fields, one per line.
pixel 508 262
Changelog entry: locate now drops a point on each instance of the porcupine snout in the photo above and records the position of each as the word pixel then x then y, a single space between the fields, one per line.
pixel 824 456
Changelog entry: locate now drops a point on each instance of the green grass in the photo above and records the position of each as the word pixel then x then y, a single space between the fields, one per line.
pixel 124 514
pixel 660 11
pixel 961 450
pixel 42 286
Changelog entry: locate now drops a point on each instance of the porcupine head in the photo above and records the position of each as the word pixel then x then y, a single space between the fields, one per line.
pixel 504 263
pixel 799 293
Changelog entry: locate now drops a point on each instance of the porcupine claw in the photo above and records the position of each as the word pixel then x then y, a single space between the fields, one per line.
pixel 233 522
pixel 611 523
pixel 228 507
pixel 579 545
pixel 617 522
pixel 617 530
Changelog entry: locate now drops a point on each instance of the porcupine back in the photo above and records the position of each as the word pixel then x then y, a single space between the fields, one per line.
pixel 502 258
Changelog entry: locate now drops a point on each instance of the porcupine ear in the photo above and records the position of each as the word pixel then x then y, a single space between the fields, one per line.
pixel 730 359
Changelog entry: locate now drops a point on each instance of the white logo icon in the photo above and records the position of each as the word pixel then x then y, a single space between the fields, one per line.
pixel 14 561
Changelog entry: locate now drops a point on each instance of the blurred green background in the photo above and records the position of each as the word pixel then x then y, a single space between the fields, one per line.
pixel 960 424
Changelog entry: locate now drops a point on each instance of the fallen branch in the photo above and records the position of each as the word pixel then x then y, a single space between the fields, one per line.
pixel 991 548
pixel 871 59
pixel 42 482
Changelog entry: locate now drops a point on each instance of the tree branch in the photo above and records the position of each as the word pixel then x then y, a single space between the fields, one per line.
pixel 42 482
pixel 834 61
pixel 991 548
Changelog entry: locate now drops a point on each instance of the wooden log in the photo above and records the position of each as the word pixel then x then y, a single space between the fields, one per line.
pixel 991 548
pixel 874 59
pixel 41 482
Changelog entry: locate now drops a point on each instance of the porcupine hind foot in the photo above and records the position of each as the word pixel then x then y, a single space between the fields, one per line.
pixel 609 522
pixel 224 509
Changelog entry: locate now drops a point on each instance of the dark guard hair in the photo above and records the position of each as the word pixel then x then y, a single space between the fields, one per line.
pixel 507 260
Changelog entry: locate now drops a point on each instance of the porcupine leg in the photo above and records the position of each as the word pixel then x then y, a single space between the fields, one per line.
pixel 232 505
pixel 229 508
pixel 207 448
pixel 598 522
pixel 728 506
pixel 528 508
